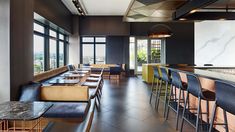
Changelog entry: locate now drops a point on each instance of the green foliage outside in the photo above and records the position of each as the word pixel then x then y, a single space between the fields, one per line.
pixel 141 56
pixel 155 55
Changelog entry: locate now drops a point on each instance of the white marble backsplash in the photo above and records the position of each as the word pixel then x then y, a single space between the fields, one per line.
pixel 215 43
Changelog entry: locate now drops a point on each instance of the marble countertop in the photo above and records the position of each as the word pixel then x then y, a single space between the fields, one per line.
pixel 208 73
pixel 15 110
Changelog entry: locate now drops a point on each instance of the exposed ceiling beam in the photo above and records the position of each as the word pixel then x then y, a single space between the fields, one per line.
pixel 191 6
pixel 211 16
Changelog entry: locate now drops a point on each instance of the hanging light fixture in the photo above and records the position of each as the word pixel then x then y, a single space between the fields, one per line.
pixel 160 31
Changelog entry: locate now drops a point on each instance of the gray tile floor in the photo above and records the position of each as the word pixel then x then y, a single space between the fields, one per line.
pixel 125 108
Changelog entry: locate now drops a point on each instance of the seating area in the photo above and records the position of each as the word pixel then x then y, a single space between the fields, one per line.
pixel 117 66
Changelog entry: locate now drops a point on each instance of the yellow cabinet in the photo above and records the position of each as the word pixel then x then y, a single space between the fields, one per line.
pixel 147 72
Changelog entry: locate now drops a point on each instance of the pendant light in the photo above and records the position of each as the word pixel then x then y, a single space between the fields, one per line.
pixel 160 31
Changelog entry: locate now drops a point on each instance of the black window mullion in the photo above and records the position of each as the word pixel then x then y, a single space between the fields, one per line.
pixel 57 50
pixel 94 50
pixel 47 48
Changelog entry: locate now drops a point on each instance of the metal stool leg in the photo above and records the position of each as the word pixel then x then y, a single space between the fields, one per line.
pixel 177 109
pixel 225 121
pixel 198 114
pixel 158 95
pixel 213 117
pixel 152 89
pixel 170 99
pixel 166 99
pixel 185 106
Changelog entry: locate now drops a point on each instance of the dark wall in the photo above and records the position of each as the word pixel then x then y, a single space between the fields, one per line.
pixel 54 11
pixel 21 36
pixel 105 25
pixel 179 47
pixel 21 44
pixel 117 50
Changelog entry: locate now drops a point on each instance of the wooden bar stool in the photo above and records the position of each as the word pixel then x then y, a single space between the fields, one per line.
pixel 174 102
pixel 194 88
pixel 225 96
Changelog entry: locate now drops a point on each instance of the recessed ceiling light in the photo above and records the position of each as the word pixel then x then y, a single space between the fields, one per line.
pixel 193 11
pixel 222 19
pixel 182 19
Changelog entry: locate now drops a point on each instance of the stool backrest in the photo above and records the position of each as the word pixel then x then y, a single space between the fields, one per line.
pixel 176 79
pixel 194 85
pixel 225 95
pixel 156 72
pixel 165 76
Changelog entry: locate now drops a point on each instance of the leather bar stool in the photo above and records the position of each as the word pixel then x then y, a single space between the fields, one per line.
pixel 225 92
pixel 195 89
pixel 165 78
pixel 174 102
pixel 154 87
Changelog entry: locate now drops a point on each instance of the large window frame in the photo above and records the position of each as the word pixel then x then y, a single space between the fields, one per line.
pixel 94 43
pixel 46 35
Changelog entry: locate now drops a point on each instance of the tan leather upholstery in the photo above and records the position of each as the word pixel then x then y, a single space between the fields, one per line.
pixel 49 74
pixel 65 93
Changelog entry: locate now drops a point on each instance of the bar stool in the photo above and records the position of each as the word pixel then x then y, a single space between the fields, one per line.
pixel 176 83
pixel 194 88
pixel 154 88
pixel 224 99
pixel 165 78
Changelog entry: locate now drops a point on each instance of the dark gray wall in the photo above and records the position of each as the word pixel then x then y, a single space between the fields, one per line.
pixel 54 11
pixel 179 47
pixel 21 44
pixel 104 25
pixel 117 50
pixel 21 36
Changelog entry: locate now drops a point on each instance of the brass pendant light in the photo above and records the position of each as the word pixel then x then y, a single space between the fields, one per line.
pixel 160 31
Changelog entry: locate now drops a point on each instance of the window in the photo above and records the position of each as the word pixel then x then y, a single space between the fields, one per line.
pixel 61 54
pixel 93 50
pixel 132 53
pixel 38 54
pixel 155 51
pixel 100 53
pixel 50 48
pixel 88 53
pixel 53 56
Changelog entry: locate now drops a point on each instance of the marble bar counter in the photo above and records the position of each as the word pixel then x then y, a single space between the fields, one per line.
pixel 207 77
pixel 14 110
pixel 215 73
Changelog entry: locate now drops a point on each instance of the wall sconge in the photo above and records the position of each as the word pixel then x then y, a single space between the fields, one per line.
pixel 160 31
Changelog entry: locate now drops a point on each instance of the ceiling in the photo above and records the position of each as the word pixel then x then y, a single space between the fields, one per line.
pixel 157 10
pixel 100 7
pixel 152 10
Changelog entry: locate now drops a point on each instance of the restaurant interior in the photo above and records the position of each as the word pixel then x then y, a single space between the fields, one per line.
pixel 117 65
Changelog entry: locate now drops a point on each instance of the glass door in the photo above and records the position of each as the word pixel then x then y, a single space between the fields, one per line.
pixel 144 50
pixel 141 54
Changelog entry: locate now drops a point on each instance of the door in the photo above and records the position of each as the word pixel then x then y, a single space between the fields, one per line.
pixel 141 54
pixel 144 50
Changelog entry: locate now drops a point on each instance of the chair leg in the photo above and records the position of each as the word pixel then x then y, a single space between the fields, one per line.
pixel 178 108
pixel 158 96
pixel 225 120
pixel 185 106
pixel 166 99
pixel 170 99
pixel 198 114
pixel 213 117
pixel 152 88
